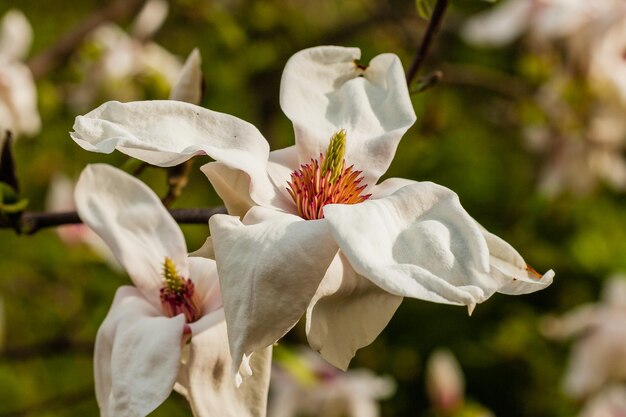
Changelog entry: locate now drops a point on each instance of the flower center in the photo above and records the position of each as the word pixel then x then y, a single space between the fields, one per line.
pixel 326 180
pixel 178 295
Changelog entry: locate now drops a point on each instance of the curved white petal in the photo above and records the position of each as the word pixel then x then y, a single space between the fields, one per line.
pixel 209 385
pixel 233 185
pixel 16 35
pixel 203 273
pixel 137 356
pixel 347 313
pixel 130 218
pixel 325 89
pixel 419 242
pixel 188 88
pixel 389 186
pixel 508 268
pixel 169 132
pixel 268 272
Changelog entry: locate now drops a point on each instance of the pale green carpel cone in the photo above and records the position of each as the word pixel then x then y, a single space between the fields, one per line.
pixel 333 159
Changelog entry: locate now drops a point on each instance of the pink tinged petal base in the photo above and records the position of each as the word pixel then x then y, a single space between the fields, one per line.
pixel 205 379
pixel 137 356
pixel 325 89
pixel 130 218
pixel 418 242
pixel 347 313
pixel 269 268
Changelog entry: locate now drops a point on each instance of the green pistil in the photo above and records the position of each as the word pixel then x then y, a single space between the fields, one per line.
pixel 173 281
pixel 333 159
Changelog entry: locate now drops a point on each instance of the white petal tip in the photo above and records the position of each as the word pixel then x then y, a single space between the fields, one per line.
pixel 470 308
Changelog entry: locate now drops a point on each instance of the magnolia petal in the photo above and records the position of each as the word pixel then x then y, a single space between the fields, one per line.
pixel 188 88
pixel 16 35
pixel 18 99
pixel 137 356
pixel 150 18
pixel 389 186
pixel 347 313
pixel 231 185
pixel 209 386
pixel 269 272
pixel 509 269
pixel 130 218
pixel 203 273
pixel 500 25
pixel 325 89
pixel 168 132
pixel 204 251
pixel 419 242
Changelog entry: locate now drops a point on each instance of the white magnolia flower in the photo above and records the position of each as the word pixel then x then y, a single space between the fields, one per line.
pixel 170 326
pixel 120 58
pixel 344 249
pixel 305 385
pixel 18 94
pixel 599 355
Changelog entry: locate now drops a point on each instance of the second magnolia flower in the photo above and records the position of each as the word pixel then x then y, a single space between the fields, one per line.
pixel 349 267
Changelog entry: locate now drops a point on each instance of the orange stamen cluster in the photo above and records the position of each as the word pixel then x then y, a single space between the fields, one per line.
pixel 178 295
pixel 311 189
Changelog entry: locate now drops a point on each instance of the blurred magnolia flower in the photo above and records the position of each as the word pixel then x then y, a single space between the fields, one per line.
pixel 169 328
pixel 445 386
pixel 316 233
pixel 598 357
pixel 610 402
pixel 61 198
pixel 445 383
pixel 607 65
pixel 113 61
pixel 542 19
pixel 304 385
pixel 18 94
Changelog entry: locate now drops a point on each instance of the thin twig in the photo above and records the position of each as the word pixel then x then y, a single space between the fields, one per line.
pixel 34 221
pixel 61 51
pixel 431 31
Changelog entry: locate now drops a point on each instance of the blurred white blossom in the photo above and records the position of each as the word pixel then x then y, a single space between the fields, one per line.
pixel 18 94
pixel 445 386
pixel 598 356
pixel 610 402
pixel 445 383
pixel 305 385
pixel 579 46
pixel 114 62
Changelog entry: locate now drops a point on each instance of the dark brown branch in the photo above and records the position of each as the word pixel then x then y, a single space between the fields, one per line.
pixel 427 40
pixel 61 51
pixel 34 221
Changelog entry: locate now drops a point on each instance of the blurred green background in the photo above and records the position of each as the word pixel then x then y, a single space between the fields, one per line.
pixel 467 137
